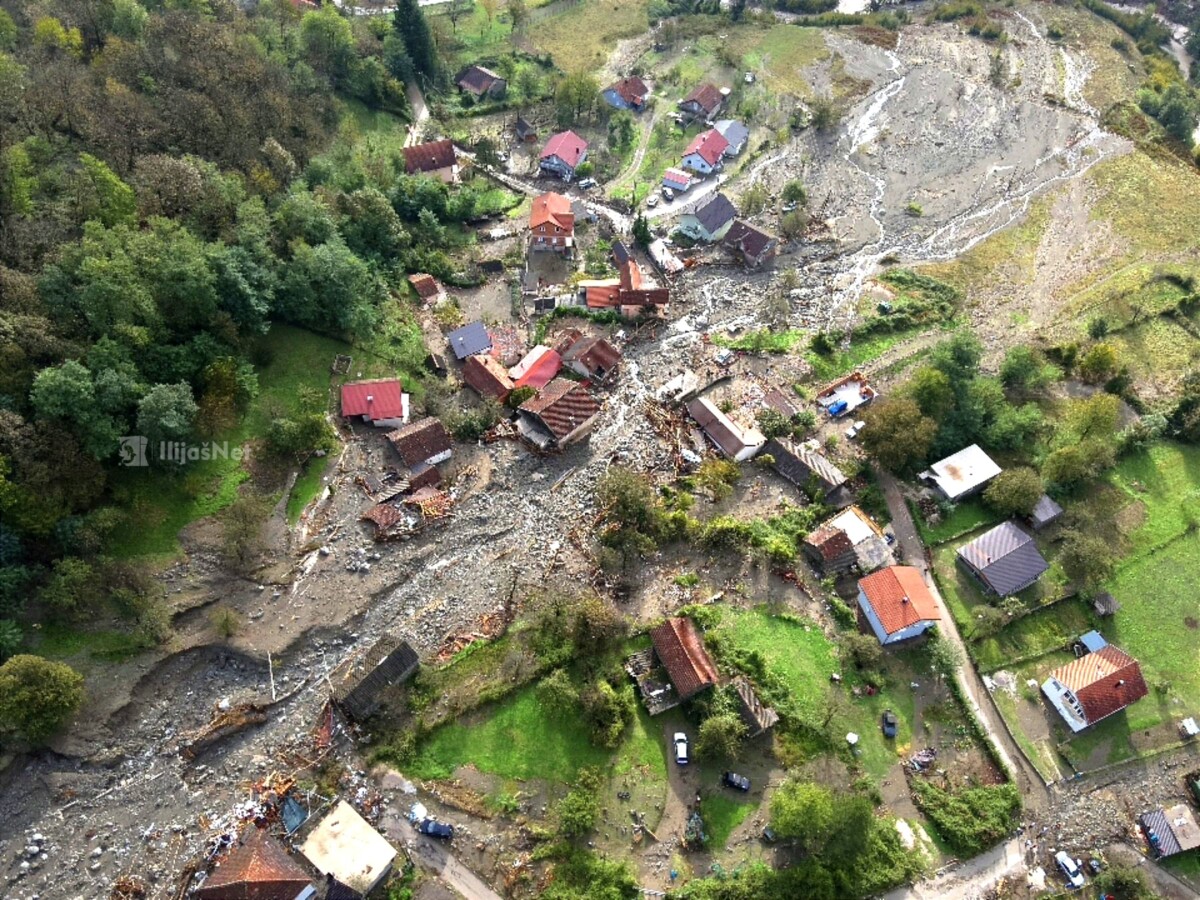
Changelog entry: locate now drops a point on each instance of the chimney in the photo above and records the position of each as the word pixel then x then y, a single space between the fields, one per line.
pixel 1121 683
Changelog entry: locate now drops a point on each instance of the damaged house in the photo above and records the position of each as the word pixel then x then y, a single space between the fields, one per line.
pixel 257 866
pixel 735 442
pixel 345 847
pixel 850 540
pixel 561 414
pixel 808 470
pixel 422 445
pixel 592 357
pixel 359 681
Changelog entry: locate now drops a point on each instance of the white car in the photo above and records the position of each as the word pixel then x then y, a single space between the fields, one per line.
pixel 652 201
pixel 681 748
pixel 724 356
pixel 853 430
pixel 1070 868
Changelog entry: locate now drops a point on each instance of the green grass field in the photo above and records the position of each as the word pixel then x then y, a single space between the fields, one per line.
pixel 967 516
pixel 581 36
pixel 723 813
pixel 859 353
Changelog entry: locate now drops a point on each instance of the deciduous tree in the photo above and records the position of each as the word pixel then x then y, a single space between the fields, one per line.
pixel 38 697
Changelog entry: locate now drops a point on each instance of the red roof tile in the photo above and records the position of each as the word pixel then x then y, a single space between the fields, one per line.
pixel 830 541
pixel 710 146
pixel 595 355
pixel 554 209
pixel 567 146
pixel 1104 682
pixel 379 399
pixel 425 285
pixel 562 406
pixel 488 376
pixel 706 96
pixel 680 648
pixel 900 597
pixel 429 157
pixel 632 90
pixel 542 372
pixel 256 869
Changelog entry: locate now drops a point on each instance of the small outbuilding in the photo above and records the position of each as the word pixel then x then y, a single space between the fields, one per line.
pixel 1004 559
pixel 962 474
pixel 849 540
pixel 735 133
pixel 757 717
pixel 345 846
pixel 592 357
pixel 481 83
pixel 359 680
pixel 750 244
pixel 1170 831
pixel 1045 511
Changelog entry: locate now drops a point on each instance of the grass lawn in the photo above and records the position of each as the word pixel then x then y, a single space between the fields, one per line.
pixel 515 739
pixel 581 36
pixel 764 341
pixel 804 658
pixel 723 812
pixel 57 641
pixel 307 486
pixel 161 501
pixel 1035 634
pixel 859 353
pixel 967 516
pixel 1153 202
pixel 777 54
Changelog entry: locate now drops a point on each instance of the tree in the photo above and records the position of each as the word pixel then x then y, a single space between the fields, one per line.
pixel 641 231
pixel 519 13
pixel 1014 492
pixel 1025 369
pixel 803 812
pixel 70 590
pixel 944 656
pixel 102 195
pixel 66 393
pixel 1123 882
pixel 897 434
pixel 721 736
pixel 489 8
pixel 575 97
pixel 864 650
pixel 166 413
pixel 38 697
pixel 410 24
pixel 794 192
pixel 933 392
pixel 1099 363
pixel 825 114
pixel 792 224
pixel 371 227
pixel 1087 559
pixel 772 423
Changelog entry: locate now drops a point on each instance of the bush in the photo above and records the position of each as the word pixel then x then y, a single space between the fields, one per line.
pixel 1014 492
pixel 608 711
pixel 972 819
pixel 225 621
pixel 38 697
pixel 718 476
pixel 519 396
pixel 71 589
pixel 720 736
pixel 11 638
pixel 578 811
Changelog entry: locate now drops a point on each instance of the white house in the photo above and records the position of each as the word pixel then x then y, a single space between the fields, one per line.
pixel 710 222
pixel 897 604
pixel 963 473
pixel 706 153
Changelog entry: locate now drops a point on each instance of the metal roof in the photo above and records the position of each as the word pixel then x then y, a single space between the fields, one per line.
pixel 1045 511
pixel 715 213
pixel 1005 558
pixel 472 338
pixel 962 472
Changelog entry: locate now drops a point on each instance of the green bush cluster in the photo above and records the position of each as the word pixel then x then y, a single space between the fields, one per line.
pixel 970 820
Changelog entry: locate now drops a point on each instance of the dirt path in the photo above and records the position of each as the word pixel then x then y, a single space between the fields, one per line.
pixel 968 881
pixel 433 856
pixel 1033 788
pixel 420 115
pixel 639 154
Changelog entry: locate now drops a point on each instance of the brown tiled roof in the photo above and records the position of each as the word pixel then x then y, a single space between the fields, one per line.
pixel 562 406
pixel 425 285
pixel 488 376
pixel 477 80
pixel 1104 682
pixel 680 648
pixel 418 441
pixel 566 340
pixel 594 353
pixel 900 597
pixel 256 869
pixel 781 403
pixel 829 541
pixel 751 241
pixel 706 96
pixel 632 90
pixel 383 515
pixel 429 157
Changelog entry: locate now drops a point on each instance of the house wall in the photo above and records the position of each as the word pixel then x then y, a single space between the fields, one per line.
pixel 439 457
pixel 579 433
pixel 556 166
pixel 550 237
pixel 612 98
pixel 697 163
pixel 881 635
pixel 690 225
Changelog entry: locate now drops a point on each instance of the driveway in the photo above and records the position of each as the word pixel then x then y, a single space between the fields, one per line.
pixel 435 857
pixel 1033 788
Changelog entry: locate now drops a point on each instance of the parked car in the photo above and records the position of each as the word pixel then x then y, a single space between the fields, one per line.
pixel 586 184
pixel 724 356
pixel 853 430
pixel 735 781
pixel 652 201
pixel 1070 868
pixel 681 748
pixel 889 723
pixel 668 194
pixel 436 829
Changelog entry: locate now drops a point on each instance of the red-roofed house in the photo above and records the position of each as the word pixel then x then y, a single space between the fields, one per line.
pixel 487 375
pixel 552 224
pixel 703 102
pixel 592 357
pixel 680 648
pixel 628 294
pixel 435 159
pixel 537 369
pixel 257 867
pixel 677 180
pixel 628 93
pixel 481 83
pixel 562 155
pixel 562 413
pixel 897 604
pixel 1095 686
pixel 706 153
pixel 381 402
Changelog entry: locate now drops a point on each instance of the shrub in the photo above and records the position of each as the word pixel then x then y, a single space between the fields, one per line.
pixel 11 638
pixel 578 811
pixel 519 395
pixel 225 621
pixel 38 697
pixel 720 736
pixel 718 476
pixel 608 711
pixel 772 423
pixel 1014 492
pixel 914 209
pixel 969 820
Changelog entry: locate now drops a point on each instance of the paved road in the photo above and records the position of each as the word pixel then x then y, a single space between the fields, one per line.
pixel 912 550
pixel 433 856
pixel 969 881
